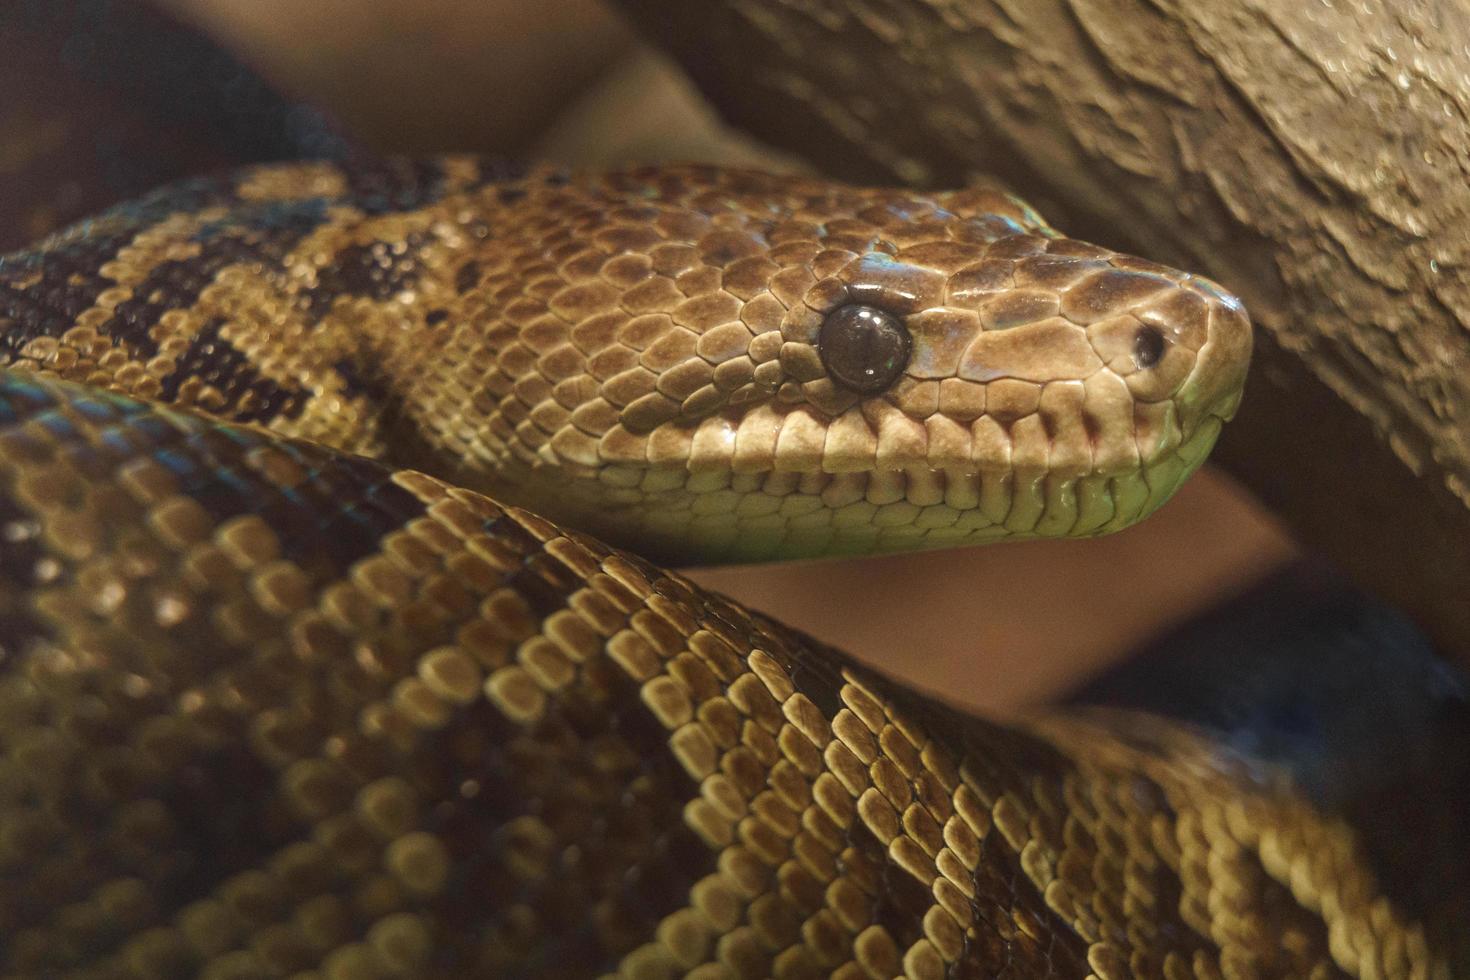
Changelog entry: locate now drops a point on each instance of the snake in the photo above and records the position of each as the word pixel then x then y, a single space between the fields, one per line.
pixel 334 646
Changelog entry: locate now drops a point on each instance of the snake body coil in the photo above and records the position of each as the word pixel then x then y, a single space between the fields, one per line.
pixel 273 709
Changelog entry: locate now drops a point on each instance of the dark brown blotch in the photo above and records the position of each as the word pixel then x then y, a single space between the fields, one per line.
pixel 376 270
pixel 248 395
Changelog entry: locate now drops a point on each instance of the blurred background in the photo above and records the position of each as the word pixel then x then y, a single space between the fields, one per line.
pixel 999 628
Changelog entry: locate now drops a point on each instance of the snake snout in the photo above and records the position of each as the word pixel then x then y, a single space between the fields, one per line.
pixel 1179 344
pixel 1213 388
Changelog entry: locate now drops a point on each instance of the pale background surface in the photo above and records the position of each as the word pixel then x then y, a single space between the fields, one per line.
pixel 997 628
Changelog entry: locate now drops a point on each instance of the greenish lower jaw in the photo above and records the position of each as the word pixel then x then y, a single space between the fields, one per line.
pixel 719 516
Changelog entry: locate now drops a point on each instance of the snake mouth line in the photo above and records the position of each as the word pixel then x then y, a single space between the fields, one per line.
pixel 788 445
pixel 797 439
pixel 732 514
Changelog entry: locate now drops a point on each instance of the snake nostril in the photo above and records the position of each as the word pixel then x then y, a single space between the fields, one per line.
pixel 1148 346
pixel 863 348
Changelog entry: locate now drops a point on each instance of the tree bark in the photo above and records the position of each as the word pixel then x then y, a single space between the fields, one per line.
pixel 1313 157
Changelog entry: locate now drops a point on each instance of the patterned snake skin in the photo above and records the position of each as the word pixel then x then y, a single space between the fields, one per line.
pixel 273 709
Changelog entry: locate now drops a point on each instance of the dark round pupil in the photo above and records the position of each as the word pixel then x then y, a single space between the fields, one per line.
pixel 1148 346
pixel 863 347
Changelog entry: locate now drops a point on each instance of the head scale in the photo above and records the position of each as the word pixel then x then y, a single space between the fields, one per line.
pixel 712 365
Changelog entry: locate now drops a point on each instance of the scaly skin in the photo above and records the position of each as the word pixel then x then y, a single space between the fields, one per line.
pixel 635 354
pixel 269 709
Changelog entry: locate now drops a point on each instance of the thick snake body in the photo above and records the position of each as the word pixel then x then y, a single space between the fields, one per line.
pixel 271 708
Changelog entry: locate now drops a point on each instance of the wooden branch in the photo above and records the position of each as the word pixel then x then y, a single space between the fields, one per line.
pixel 1313 157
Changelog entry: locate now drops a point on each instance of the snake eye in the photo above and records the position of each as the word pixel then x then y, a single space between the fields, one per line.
pixel 1148 346
pixel 863 348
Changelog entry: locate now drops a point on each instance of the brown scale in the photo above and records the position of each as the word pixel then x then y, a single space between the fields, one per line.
pixel 276 710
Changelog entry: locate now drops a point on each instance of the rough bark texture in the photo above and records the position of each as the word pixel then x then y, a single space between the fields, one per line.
pixel 1313 157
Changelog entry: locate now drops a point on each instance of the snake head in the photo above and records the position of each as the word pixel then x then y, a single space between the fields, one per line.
pixel 737 365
